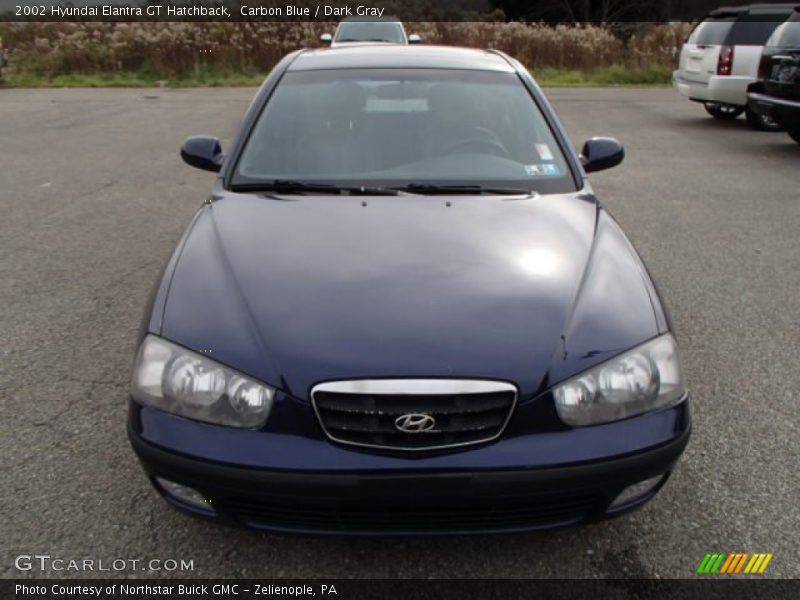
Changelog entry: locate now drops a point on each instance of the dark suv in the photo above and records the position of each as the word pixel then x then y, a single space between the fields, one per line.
pixel 777 93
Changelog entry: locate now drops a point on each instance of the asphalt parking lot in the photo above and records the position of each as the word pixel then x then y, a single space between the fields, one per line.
pixel 93 197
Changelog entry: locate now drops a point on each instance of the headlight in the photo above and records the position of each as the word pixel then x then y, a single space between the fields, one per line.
pixel 184 383
pixel 638 381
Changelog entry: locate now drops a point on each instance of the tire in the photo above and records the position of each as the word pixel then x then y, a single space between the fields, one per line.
pixel 726 112
pixel 761 122
pixel 795 135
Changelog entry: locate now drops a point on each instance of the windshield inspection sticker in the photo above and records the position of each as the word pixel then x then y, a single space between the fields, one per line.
pixel 546 169
pixel 544 152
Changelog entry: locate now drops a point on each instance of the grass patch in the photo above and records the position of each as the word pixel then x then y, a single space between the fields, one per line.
pixel 209 78
pixel 606 77
pixel 609 76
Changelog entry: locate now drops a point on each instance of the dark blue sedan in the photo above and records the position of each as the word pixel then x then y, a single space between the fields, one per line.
pixel 403 311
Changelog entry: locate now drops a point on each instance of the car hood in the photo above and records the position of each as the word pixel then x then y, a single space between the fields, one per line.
pixel 309 289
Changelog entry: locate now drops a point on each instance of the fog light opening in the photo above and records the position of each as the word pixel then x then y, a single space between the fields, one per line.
pixel 184 494
pixel 637 491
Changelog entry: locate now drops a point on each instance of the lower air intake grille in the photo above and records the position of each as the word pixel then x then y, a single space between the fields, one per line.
pixel 534 513
pixel 413 414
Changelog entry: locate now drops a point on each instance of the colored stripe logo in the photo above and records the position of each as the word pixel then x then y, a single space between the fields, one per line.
pixel 734 563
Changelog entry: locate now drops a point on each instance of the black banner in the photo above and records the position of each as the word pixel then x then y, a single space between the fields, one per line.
pixel 387 589
pixel 547 11
pixel 249 10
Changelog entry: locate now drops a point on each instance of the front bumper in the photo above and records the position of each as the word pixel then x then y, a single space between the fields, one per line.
pixel 434 495
pixel 785 112
pixel 727 89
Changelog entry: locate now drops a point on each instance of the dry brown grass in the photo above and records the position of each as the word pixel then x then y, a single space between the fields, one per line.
pixel 179 49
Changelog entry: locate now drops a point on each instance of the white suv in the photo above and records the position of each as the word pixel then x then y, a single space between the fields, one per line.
pixel 721 57
pixel 361 30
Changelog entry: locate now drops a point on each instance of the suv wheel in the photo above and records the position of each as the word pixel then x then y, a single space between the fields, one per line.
pixel 761 122
pixel 795 135
pixel 726 112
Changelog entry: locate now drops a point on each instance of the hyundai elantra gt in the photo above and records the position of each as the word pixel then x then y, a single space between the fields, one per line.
pixel 403 311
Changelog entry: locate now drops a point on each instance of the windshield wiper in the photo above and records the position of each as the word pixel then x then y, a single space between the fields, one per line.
pixel 433 189
pixel 285 186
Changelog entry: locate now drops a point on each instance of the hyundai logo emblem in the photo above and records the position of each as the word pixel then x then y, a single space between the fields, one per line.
pixel 415 423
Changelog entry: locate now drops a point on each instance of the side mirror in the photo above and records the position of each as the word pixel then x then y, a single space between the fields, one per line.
pixel 326 38
pixel 601 153
pixel 203 152
pixel 414 39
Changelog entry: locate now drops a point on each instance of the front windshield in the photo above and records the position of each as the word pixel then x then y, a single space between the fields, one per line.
pixel 370 31
pixel 395 127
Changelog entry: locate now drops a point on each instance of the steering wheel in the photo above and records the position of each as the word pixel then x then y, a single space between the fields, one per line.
pixel 484 140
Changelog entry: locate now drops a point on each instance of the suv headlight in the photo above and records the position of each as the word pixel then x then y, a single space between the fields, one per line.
pixel 640 380
pixel 182 382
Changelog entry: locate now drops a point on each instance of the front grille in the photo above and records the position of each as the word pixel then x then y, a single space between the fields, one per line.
pixel 413 414
pixel 533 513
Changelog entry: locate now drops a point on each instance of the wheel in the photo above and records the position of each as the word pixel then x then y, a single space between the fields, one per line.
pixel 481 139
pixel 761 122
pixel 795 135
pixel 475 145
pixel 726 112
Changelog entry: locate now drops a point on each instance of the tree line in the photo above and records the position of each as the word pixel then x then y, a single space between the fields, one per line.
pixel 612 11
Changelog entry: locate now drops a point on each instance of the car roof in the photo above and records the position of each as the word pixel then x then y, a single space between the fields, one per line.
pixel 386 56
pixel 750 9
pixel 358 19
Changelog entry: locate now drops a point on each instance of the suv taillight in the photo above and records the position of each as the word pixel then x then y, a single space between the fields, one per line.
pixel 725 62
